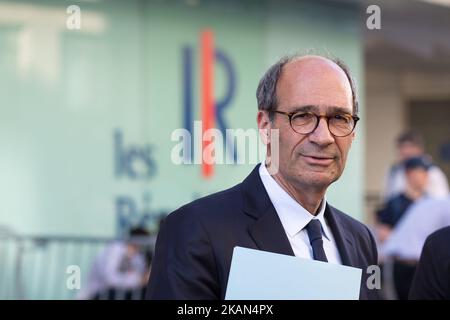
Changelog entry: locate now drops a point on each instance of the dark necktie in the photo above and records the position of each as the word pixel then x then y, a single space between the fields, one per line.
pixel 315 238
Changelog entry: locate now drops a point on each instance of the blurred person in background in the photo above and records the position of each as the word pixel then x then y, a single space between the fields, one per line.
pixel 417 178
pixel 121 270
pixel 411 144
pixel 432 278
pixel 404 245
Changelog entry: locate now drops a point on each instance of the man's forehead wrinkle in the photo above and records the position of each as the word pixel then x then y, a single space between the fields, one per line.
pixel 327 109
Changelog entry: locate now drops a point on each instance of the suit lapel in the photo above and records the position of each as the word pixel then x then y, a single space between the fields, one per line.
pixel 269 235
pixel 343 238
pixel 267 230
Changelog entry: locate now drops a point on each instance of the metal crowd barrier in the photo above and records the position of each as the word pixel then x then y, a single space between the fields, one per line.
pixel 36 267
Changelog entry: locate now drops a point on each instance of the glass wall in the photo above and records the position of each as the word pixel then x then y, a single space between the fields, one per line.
pixel 91 95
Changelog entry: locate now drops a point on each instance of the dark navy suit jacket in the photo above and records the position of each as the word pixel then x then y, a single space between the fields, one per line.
pixel 195 244
pixel 432 277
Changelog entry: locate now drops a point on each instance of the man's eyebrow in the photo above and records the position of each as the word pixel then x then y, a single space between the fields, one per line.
pixel 335 109
pixel 316 109
pixel 306 108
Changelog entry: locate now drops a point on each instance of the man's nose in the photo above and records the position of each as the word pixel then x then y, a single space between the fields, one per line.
pixel 322 135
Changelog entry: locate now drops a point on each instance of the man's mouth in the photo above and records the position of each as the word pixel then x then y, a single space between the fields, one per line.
pixel 319 160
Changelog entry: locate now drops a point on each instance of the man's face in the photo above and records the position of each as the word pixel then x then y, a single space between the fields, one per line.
pixel 417 178
pixel 407 150
pixel 317 159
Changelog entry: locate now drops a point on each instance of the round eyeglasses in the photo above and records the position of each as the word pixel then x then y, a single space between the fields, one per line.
pixel 340 125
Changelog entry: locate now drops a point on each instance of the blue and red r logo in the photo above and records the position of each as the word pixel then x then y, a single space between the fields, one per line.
pixel 211 110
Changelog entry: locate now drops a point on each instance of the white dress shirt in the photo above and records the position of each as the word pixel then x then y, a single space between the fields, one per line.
pixel 421 219
pixel 294 219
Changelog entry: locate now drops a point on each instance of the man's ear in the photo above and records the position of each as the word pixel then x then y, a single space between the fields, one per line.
pixel 264 126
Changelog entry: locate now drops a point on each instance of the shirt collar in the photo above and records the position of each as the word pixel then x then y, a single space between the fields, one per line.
pixel 292 214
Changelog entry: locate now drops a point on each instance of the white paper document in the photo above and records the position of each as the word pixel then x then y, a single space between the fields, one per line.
pixel 261 275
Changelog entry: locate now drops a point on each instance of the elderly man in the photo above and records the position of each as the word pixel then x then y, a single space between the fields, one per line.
pixel 310 103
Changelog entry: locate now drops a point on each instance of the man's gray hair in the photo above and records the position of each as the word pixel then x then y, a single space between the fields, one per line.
pixel 266 94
